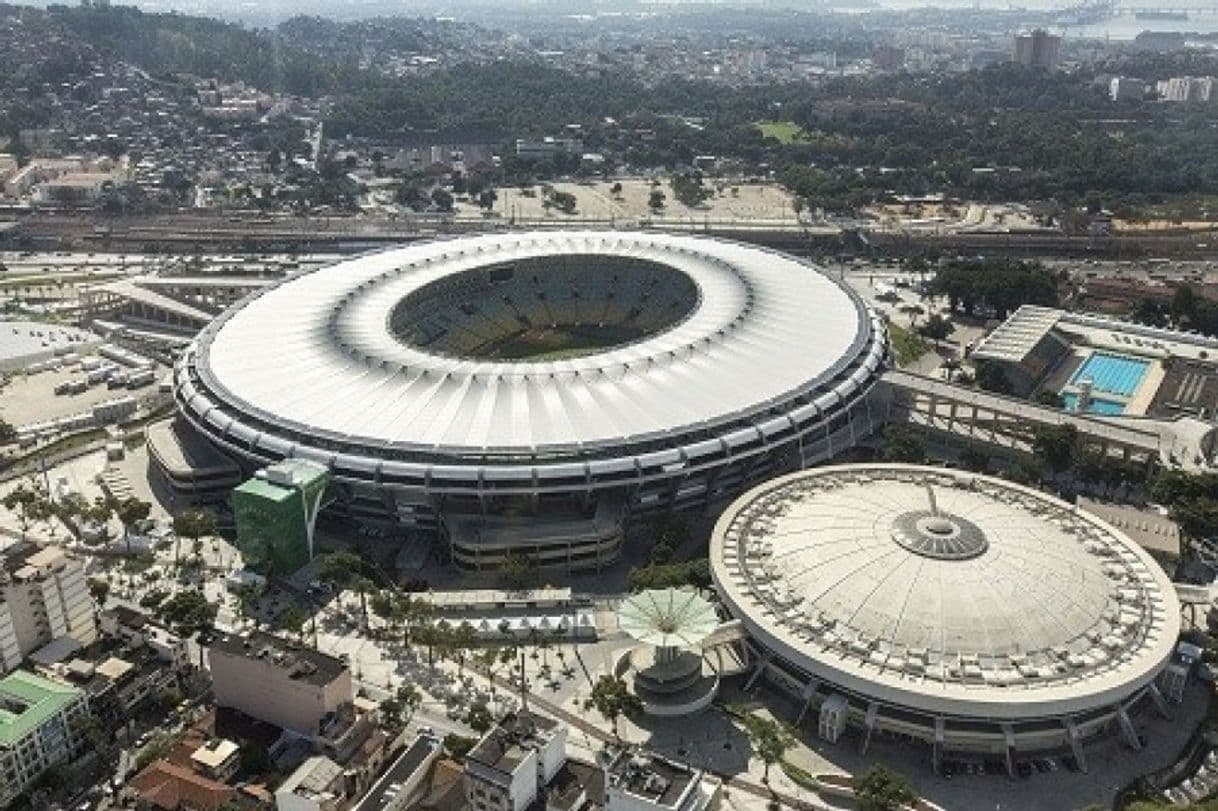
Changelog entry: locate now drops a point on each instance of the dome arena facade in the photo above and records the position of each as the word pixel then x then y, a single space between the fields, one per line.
pixel 526 391
pixel 962 611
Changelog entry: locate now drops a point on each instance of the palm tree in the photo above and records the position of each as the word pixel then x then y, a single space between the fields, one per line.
pixel 131 511
pixel 193 523
pixel 100 513
pixel 463 638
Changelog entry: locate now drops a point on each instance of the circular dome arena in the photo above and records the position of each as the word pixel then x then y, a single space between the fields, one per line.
pixel 941 603
pixel 541 364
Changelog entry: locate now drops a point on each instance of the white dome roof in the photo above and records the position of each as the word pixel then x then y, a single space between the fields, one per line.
pixel 317 354
pixel 943 584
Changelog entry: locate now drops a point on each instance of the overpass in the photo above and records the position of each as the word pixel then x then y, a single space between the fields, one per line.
pixel 1008 422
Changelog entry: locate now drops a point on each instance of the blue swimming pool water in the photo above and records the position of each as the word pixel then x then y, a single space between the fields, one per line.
pixel 1096 406
pixel 1113 374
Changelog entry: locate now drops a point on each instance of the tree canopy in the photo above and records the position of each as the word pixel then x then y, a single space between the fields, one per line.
pixel 882 789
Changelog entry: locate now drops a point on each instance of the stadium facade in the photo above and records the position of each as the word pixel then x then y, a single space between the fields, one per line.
pixel 527 393
pixel 976 616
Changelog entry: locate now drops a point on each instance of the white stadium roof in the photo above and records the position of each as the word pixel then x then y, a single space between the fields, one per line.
pixel 315 358
pixel 945 592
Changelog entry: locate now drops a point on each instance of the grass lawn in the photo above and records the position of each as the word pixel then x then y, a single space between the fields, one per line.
pixel 786 132
pixel 907 346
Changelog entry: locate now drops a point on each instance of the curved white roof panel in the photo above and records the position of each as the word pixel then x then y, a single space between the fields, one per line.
pixel 322 356
pixel 945 592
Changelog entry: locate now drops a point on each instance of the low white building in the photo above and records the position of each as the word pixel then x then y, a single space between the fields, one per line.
pixel 636 781
pixel 316 785
pixel 514 761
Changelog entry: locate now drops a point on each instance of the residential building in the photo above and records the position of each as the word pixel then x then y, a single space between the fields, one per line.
pixel 1126 88
pixel 40 727
pixel 43 596
pixel 1162 41
pixel 509 768
pixel 547 147
pixel 137 629
pixel 276 511
pixel 404 782
pixel 295 688
pixel 316 785
pixel 119 685
pixel 169 786
pixel 217 759
pixel 636 781
pixel 1037 49
pixel 1193 89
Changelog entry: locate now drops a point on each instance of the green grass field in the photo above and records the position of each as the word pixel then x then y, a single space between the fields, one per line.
pixel 787 132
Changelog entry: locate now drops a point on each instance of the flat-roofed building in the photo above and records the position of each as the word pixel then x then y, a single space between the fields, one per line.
pixel 509 768
pixel 39 728
pixel 192 468
pixel 272 680
pixel 637 781
pixel 316 785
pixel 43 597
pixel 404 782
pixel 218 759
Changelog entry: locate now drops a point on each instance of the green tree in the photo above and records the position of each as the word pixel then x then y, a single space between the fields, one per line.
pixel 348 570
pixel 655 201
pixel 187 612
pixel 479 717
pixel 442 200
pixel 193 523
pixel 29 503
pixel 937 328
pixel 770 741
pixel 99 514
pixel 900 443
pixel 882 789
pixel 459 745
pixel 612 699
pixel 130 512
pixel 99 589
pixel 7 432
pixel 1057 445
pixel 249 596
pixel 992 378
pixel 293 621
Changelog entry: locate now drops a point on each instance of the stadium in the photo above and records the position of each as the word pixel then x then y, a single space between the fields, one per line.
pixel 978 617
pixel 527 393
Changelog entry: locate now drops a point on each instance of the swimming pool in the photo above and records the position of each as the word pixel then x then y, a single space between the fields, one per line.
pixel 1098 405
pixel 1113 374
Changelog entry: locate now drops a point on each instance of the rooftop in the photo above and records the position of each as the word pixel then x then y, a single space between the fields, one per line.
pixel 651 777
pixel 214 754
pixel 312 778
pixel 667 617
pixel 302 663
pixel 1014 338
pixel 261 488
pixel 387 786
pixel 509 742
pixel 943 586
pixel 742 348
pixel 27 701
